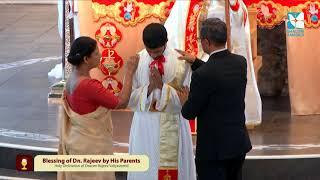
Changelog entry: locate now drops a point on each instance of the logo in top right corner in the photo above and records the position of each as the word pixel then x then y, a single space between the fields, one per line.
pixel 295 24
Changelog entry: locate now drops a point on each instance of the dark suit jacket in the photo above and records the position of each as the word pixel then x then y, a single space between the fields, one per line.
pixel 216 98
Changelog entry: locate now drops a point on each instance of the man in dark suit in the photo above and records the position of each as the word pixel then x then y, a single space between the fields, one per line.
pixel 216 98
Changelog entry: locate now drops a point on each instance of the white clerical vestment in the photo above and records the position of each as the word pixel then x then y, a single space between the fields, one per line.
pixel 145 133
pixel 240 43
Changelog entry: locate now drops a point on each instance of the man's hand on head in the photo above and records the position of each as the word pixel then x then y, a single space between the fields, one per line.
pixel 186 56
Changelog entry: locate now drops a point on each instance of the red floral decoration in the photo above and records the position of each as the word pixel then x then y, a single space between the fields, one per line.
pixel 110 62
pixel 112 84
pixel 266 13
pixel 108 35
pixel 129 11
pixel 312 14
pixel 191 43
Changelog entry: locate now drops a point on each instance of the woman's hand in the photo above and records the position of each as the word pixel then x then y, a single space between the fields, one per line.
pixel 132 64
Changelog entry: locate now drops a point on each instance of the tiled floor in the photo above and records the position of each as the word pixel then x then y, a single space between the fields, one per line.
pixel 27 32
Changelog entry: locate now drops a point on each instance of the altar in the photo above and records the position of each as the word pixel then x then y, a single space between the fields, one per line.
pixel 282 68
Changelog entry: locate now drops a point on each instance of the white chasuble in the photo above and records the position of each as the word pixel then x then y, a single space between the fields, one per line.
pixel 158 130
pixel 240 42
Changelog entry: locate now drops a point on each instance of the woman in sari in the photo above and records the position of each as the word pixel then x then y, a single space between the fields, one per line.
pixel 87 125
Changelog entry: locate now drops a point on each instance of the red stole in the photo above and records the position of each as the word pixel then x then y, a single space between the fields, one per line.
pixel 159 64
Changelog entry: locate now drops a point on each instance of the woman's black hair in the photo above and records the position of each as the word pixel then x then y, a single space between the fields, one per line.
pixel 81 47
